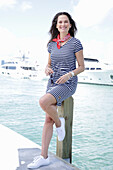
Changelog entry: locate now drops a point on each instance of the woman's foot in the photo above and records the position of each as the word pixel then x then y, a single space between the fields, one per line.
pixel 38 161
pixel 61 130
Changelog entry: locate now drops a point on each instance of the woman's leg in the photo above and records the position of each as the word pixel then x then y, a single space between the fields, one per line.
pixel 48 104
pixel 47 135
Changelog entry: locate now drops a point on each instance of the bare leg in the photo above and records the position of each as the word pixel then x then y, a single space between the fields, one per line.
pixel 46 135
pixel 48 104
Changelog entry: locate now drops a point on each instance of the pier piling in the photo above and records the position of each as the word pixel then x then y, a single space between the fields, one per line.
pixel 64 148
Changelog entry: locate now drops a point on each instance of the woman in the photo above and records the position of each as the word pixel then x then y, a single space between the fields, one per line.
pixel 63 50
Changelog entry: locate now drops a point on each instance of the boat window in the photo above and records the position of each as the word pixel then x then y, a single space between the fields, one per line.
pixel 32 68
pixel 91 60
pixel 98 69
pixel 6 67
pixel 12 67
pixel 111 76
pixel 25 68
pixel 87 68
pixel 28 68
pixel 92 68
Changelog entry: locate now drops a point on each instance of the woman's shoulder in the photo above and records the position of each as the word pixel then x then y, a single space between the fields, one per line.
pixel 50 45
pixel 75 40
pixel 76 44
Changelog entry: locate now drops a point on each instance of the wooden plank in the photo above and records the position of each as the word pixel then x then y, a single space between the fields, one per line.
pixel 16 152
pixel 64 148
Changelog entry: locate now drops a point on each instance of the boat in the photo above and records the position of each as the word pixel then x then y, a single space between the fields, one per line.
pixel 96 72
pixel 19 69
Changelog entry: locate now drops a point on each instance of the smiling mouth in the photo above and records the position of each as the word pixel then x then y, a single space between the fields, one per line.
pixel 63 28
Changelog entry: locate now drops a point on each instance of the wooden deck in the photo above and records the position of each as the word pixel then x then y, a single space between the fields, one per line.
pixel 17 151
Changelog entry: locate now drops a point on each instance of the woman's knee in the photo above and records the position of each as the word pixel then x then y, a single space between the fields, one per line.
pixel 42 103
pixel 49 120
pixel 46 100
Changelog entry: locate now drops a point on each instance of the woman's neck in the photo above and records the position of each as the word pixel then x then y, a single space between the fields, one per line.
pixel 62 35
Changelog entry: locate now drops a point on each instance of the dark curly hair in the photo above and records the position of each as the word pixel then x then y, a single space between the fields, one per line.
pixel 54 31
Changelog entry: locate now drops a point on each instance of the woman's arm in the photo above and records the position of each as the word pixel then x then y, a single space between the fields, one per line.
pixel 48 69
pixel 81 67
pixel 80 61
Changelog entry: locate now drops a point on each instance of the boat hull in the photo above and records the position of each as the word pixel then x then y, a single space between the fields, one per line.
pixel 96 77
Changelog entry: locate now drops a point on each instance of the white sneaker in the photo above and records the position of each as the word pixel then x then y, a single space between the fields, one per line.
pixel 61 130
pixel 38 161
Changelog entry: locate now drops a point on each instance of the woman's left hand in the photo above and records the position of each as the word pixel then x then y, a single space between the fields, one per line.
pixel 63 78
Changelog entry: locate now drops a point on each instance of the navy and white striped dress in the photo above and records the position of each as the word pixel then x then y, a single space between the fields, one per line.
pixel 63 60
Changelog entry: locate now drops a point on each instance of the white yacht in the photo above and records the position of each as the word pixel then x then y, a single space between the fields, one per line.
pixel 96 73
pixel 19 69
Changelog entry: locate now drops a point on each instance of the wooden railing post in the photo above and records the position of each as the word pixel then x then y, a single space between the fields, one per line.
pixel 64 148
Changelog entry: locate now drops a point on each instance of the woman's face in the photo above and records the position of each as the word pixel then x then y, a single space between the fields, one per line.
pixel 63 24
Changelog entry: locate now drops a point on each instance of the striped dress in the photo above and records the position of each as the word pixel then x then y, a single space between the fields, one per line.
pixel 63 60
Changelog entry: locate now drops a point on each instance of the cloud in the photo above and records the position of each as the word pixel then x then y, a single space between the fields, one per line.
pixel 7 3
pixel 36 47
pixel 10 46
pixel 108 52
pixel 11 3
pixel 99 50
pixel 94 22
pixel 91 12
pixel 7 42
pixel 94 48
pixel 26 6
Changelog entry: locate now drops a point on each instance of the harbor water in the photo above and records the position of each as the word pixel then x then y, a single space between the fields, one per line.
pixel 92 145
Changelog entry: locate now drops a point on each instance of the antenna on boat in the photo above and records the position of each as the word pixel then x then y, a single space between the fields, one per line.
pixel 23 57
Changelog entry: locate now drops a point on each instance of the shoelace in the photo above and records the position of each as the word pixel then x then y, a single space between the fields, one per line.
pixel 37 158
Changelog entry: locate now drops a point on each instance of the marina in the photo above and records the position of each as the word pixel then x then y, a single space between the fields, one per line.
pixel 92 133
pixel 95 72
pixel 26 28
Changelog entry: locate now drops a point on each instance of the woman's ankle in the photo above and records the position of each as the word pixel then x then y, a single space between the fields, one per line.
pixel 44 156
pixel 58 124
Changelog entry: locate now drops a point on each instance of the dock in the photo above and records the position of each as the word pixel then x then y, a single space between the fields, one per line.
pixel 16 152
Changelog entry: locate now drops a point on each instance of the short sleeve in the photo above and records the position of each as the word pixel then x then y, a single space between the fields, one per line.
pixel 77 45
pixel 49 47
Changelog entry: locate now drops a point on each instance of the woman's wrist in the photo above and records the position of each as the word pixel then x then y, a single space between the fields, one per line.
pixel 49 66
pixel 72 73
pixel 69 75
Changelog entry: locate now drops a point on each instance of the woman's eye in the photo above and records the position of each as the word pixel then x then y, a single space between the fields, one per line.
pixel 66 21
pixel 60 22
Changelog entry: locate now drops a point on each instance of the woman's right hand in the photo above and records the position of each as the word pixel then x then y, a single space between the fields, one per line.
pixel 48 70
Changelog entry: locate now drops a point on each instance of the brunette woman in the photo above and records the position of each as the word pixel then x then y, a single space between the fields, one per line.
pixel 64 50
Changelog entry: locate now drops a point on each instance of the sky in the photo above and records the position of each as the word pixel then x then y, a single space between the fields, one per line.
pixel 24 27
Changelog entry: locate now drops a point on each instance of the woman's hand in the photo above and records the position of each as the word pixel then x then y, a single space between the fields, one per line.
pixel 48 70
pixel 64 78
